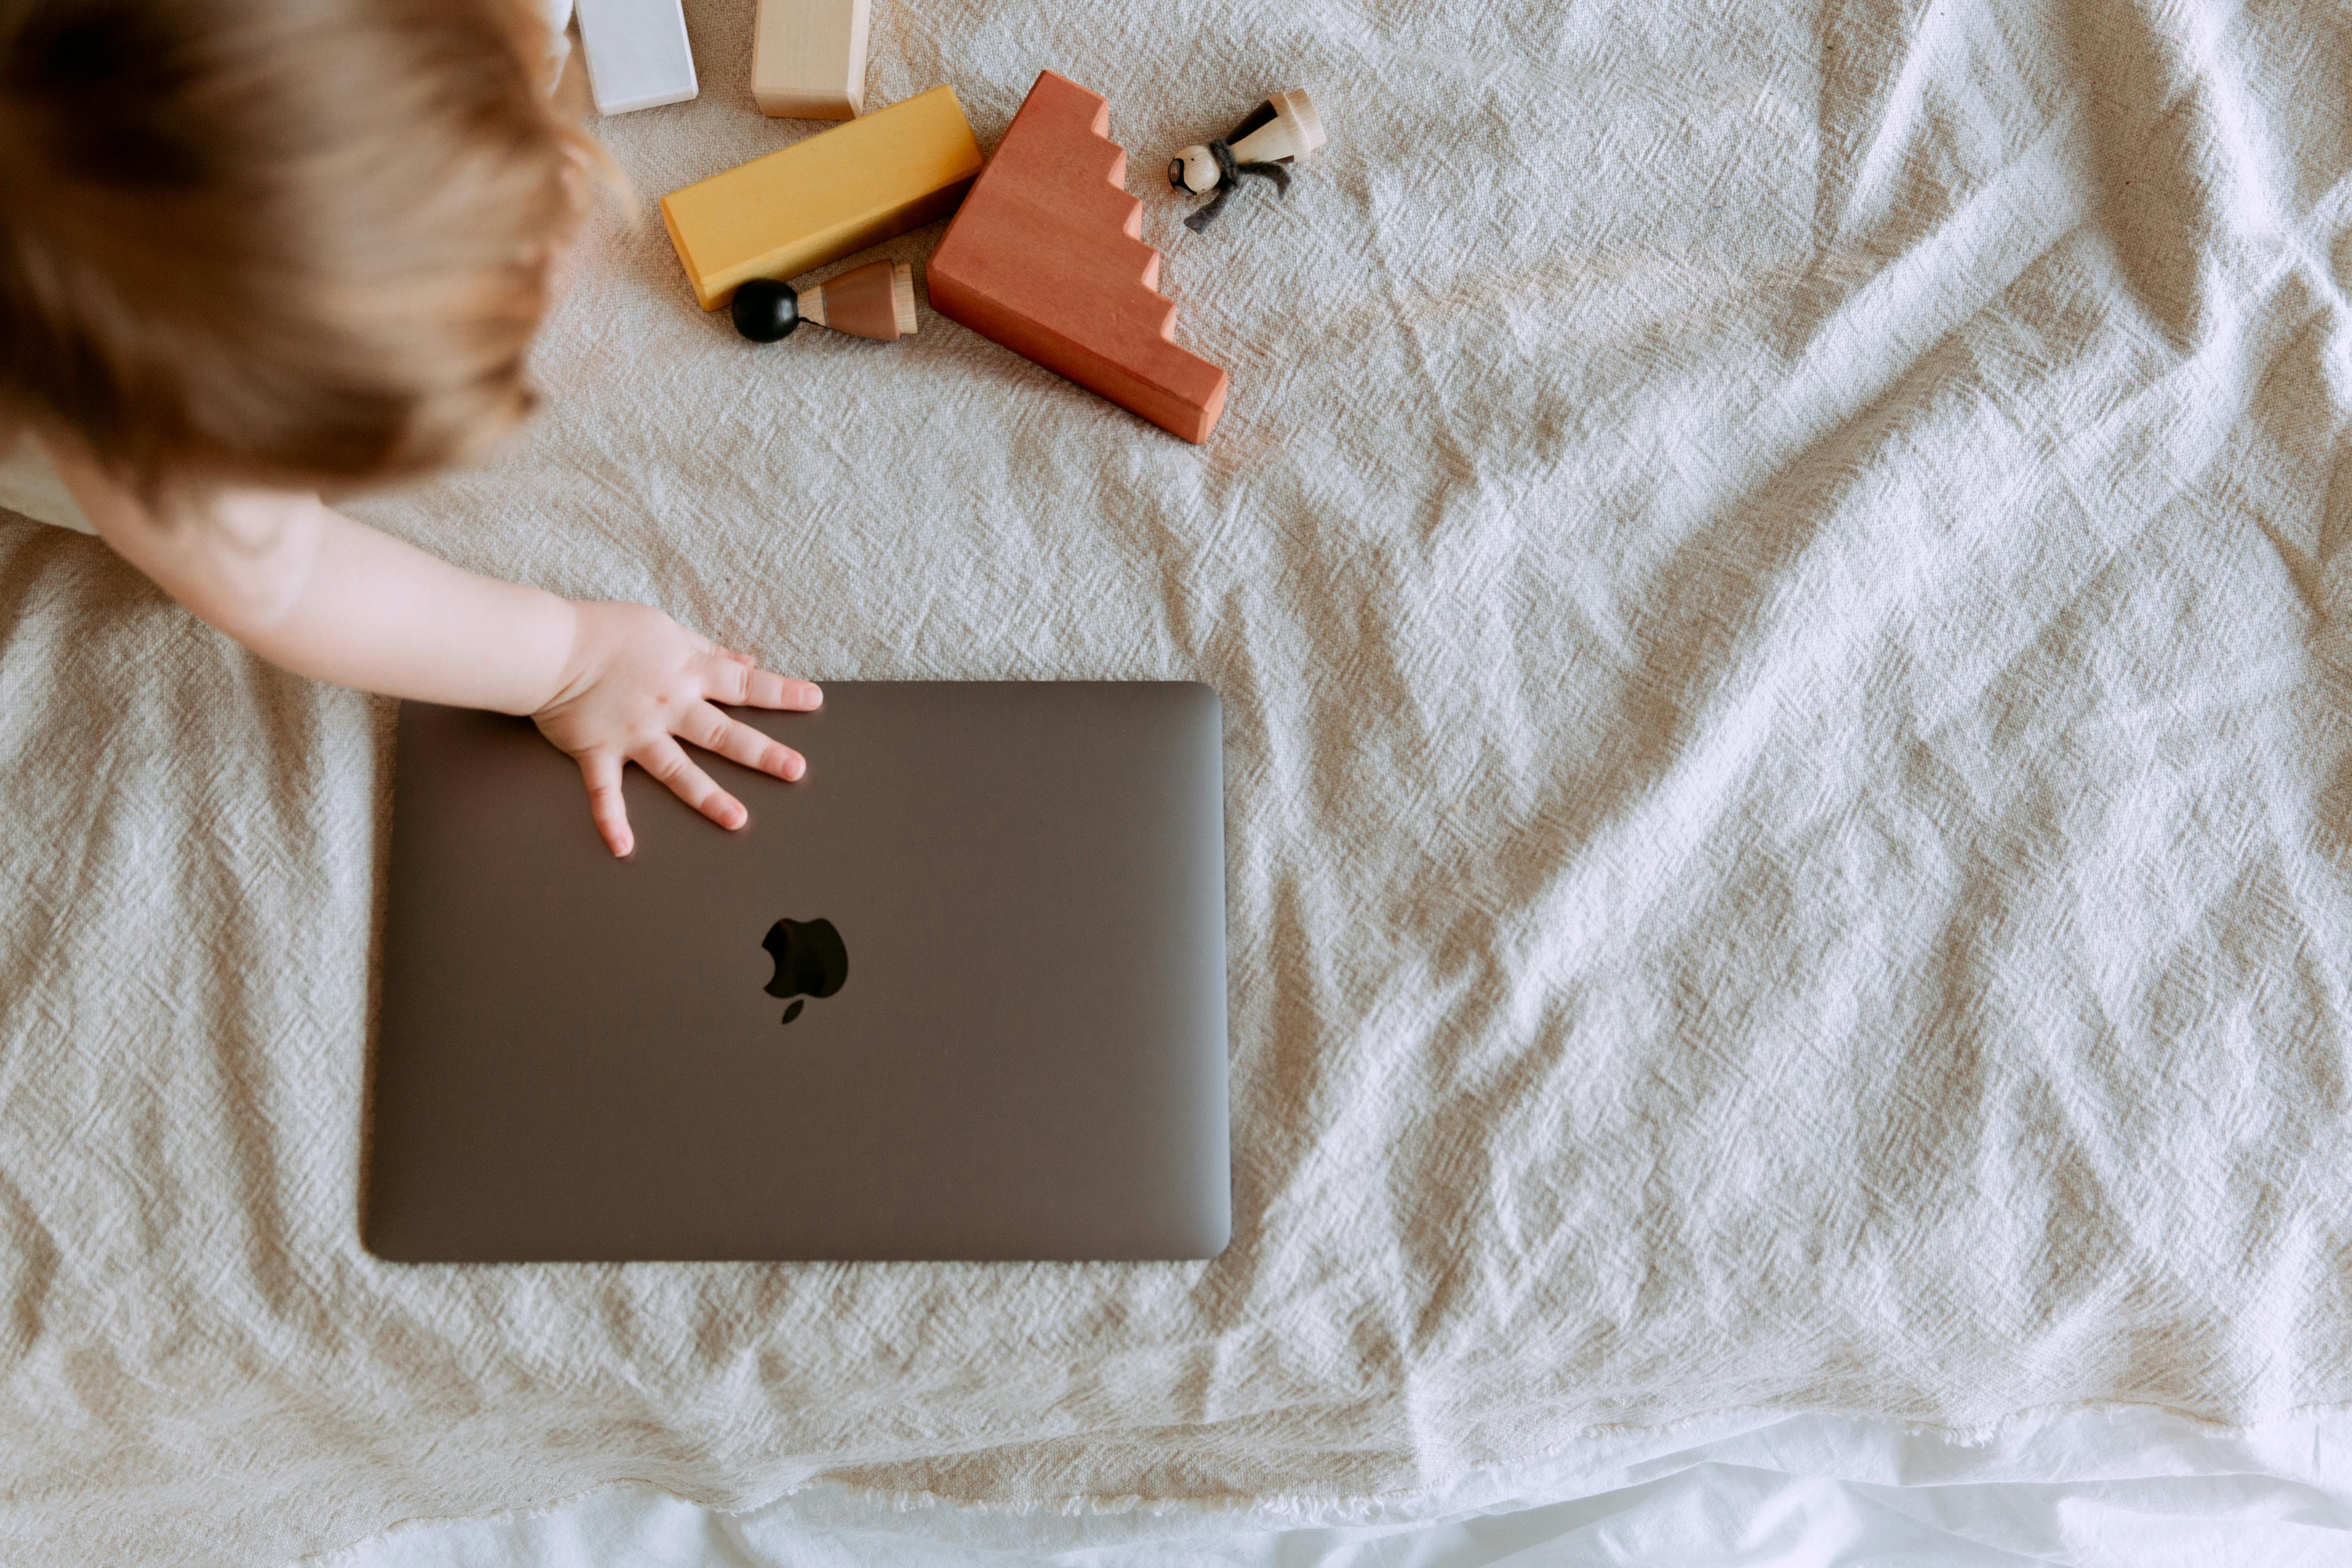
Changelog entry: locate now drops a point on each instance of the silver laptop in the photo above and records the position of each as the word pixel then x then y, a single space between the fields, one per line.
pixel 958 993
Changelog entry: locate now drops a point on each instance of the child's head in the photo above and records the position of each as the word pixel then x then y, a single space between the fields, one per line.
pixel 293 241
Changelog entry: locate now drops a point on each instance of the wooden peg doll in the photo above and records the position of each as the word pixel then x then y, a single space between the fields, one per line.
pixel 1284 128
pixel 877 300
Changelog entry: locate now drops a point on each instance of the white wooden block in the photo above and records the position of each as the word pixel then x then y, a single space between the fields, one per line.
pixel 808 58
pixel 637 53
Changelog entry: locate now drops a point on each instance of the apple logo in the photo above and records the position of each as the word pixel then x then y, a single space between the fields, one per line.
pixel 810 961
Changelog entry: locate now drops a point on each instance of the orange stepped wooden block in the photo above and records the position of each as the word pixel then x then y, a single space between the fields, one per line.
pixel 1045 258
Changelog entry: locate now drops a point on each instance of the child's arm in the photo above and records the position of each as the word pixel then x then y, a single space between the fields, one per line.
pixel 311 590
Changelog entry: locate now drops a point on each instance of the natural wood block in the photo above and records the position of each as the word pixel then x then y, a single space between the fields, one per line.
pixel 817 200
pixel 1046 256
pixel 808 58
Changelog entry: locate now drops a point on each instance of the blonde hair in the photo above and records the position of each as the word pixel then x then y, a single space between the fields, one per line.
pixel 296 242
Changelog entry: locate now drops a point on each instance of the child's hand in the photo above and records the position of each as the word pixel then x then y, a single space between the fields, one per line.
pixel 635 682
pixel 313 592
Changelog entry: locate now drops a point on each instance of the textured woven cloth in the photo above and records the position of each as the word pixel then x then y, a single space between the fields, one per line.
pixel 1774 573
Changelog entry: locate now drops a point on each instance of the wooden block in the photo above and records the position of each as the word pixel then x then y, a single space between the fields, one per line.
pixel 638 56
pixel 1047 257
pixel 817 200
pixel 808 58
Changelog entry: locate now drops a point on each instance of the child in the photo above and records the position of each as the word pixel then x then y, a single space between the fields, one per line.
pixel 251 250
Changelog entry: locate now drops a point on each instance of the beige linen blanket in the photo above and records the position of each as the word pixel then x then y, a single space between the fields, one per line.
pixel 1779 577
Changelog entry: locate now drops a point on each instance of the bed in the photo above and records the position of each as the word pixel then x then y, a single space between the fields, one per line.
pixel 1772 572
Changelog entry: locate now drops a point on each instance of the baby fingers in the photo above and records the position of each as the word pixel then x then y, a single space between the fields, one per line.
pixel 714 732
pixel 663 759
pixel 601 771
pixel 734 678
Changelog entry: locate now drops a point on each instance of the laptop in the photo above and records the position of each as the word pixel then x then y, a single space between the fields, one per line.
pixel 958 994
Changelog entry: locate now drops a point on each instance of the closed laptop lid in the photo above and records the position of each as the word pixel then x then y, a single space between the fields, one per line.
pixel 993 913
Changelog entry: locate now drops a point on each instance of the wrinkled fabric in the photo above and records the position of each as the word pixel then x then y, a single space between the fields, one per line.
pixel 2115 1487
pixel 1773 574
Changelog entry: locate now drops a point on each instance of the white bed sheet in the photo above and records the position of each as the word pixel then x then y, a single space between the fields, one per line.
pixel 2129 1486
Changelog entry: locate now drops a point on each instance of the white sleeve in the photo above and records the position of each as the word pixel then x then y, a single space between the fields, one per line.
pixel 558 19
pixel 28 484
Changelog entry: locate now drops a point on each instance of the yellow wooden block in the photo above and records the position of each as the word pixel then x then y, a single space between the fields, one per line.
pixel 817 200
